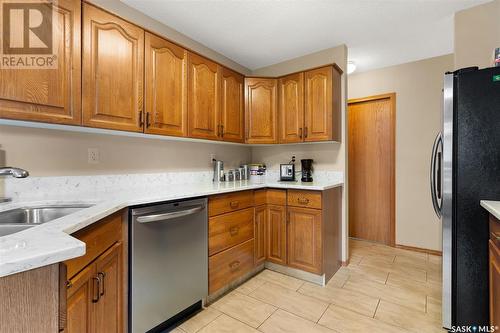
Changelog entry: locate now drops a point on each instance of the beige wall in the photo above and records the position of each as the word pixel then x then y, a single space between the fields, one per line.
pixel 477 34
pixel 46 152
pixel 327 156
pixel 418 119
pixel 119 8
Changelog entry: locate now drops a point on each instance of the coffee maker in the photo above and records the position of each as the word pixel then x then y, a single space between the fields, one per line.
pixel 306 170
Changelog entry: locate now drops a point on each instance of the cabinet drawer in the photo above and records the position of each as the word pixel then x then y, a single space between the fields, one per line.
pixel 270 196
pixel 309 199
pixel 229 229
pixel 228 265
pixel 98 238
pixel 225 203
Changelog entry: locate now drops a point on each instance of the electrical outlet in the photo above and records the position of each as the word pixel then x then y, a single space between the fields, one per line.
pixel 93 155
pixel 212 157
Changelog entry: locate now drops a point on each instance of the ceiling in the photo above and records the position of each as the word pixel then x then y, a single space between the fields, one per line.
pixel 258 33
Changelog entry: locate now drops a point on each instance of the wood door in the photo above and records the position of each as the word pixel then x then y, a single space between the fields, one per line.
pixel 371 168
pixel 260 244
pixel 276 234
pixel 109 308
pixel 232 107
pixel 304 239
pixel 203 98
pixel 261 110
pixel 165 87
pixel 81 295
pixel 319 104
pixel 113 67
pixel 494 284
pixel 49 95
pixel 291 108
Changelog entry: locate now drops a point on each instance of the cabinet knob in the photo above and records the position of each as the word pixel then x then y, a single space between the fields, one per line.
pixel 234 231
pixel 234 204
pixel 303 201
pixel 234 265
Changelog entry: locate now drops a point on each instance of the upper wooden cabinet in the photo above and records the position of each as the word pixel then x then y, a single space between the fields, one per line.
pixel 113 67
pixel 261 110
pixel 203 98
pixel 49 95
pixel 291 108
pixel 165 87
pixel 232 107
pixel 322 104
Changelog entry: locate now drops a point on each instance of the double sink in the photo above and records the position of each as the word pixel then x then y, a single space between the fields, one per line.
pixel 18 219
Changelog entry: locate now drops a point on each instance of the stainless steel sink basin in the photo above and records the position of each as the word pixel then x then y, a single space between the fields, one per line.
pixel 18 219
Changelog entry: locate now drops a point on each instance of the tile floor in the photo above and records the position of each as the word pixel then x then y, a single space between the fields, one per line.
pixel 383 289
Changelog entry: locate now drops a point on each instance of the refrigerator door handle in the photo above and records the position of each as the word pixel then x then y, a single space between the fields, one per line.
pixel 435 168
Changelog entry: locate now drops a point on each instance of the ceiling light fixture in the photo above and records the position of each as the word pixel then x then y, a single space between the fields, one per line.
pixel 351 67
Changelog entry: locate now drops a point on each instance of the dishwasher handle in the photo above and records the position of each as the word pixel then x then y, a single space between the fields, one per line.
pixel 170 215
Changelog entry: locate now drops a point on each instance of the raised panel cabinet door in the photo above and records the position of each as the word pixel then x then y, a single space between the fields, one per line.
pixel 291 108
pixel 260 244
pixel 81 295
pixel 276 234
pixel 232 107
pixel 113 68
pixel 494 284
pixel 203 98
pixel 304 239
pixel 165 87
pixel 261 110
pixel 109 308
pixel 49 95
pixel 318 104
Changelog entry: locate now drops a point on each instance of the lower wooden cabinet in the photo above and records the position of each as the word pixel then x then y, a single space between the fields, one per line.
pixel 494 283
pixel 304 239
pixel 260 227
pixel 81 290
pixel 95 300
pixel 276 233
pixel 228 265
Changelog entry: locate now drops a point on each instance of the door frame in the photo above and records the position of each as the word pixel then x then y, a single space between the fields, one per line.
pixel 392 100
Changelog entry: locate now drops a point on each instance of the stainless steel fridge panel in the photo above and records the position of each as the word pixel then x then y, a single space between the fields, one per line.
pixel 446 211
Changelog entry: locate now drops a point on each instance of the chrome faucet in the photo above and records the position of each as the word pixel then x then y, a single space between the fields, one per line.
pixel 14 172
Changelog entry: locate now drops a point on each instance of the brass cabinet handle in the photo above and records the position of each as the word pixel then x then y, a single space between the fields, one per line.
pixel 300 133
pixel 233 231
pixel 98 295
pixel 305 132
pixel 234 204
pixel 148 121
pixel 222 131
pixel 234 265
pixel 69 284
pixel 303 201
pixel 101 275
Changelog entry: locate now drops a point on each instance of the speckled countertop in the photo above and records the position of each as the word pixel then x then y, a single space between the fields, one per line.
pixel 51 242
pixel 493 207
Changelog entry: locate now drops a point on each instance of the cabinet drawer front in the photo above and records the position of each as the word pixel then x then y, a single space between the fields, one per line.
pixel 229 265
pixel 98 238
pixel 309 199
pixel 225 203
pixel 229 229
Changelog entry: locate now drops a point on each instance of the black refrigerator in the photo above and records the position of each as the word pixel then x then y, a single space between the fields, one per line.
pixel 465 169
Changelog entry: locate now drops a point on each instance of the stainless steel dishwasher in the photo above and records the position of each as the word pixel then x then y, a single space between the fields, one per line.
pixel 168 263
